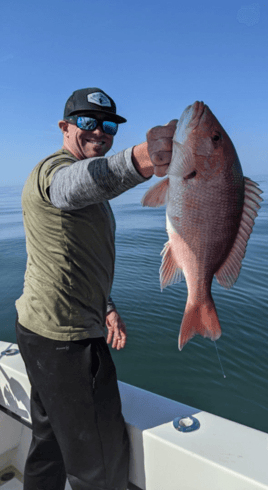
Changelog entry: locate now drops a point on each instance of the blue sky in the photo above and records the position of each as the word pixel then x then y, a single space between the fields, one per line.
pixel 153 57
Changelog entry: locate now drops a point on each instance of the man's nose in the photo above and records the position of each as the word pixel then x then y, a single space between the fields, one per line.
pixel 98 129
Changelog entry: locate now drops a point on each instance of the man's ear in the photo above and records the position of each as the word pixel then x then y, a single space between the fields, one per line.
pixel 64 126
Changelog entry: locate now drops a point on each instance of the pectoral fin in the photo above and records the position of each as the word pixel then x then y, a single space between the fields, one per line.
pixel 156 195
pixel 229 271
pixel 170 273
pixel 184 155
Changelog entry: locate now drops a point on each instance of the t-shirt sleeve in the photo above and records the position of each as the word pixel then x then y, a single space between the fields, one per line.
pixel 47 172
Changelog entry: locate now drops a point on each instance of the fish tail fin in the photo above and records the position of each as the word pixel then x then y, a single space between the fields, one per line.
pixel 199 319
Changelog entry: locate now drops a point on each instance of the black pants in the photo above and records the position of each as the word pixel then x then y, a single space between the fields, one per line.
pixel 78 427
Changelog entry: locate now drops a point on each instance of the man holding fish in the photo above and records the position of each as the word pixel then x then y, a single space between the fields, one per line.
pixel 78 427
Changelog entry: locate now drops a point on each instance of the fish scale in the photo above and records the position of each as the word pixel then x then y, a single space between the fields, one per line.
pixel 210 213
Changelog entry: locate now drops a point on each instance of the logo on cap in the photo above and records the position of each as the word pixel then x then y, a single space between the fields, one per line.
pixel 99 98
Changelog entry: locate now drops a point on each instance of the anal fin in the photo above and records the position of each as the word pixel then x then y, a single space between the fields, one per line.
pixel 170 273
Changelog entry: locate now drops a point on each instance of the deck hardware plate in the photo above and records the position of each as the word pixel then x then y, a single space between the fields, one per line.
pixel 9 352
pixel 186 424
pixel 7 476
pixel 10 473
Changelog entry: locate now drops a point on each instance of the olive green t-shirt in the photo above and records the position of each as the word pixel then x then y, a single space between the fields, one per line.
pixel 70 261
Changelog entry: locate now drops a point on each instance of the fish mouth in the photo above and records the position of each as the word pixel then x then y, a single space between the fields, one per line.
pixel 189 120
pixel 198 109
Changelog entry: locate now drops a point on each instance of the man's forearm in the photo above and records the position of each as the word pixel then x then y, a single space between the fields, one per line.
pixel 94 180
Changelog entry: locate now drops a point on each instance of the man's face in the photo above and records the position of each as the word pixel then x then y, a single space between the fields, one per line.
pixel 86 144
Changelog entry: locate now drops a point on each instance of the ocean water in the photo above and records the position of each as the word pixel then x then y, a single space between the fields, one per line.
pixel 151 359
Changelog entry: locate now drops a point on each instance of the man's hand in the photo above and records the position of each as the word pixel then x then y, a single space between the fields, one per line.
pixel 116 330
pixel 159 141
pixel 154 155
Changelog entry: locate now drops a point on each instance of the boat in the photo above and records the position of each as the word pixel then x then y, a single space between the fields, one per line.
pixel 173 446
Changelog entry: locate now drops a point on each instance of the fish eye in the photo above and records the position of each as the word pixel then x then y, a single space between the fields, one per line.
pixel 216 136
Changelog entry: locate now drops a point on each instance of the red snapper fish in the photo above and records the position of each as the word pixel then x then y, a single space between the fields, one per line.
pixel 210 212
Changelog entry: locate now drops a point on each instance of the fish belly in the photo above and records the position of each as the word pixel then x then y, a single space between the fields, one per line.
pixel 200 316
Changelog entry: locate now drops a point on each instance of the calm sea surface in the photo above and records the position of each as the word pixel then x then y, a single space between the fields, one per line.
pixel 151 359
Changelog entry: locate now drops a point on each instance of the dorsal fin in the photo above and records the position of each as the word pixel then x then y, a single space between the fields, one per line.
pixel 156 195
pixel 229 271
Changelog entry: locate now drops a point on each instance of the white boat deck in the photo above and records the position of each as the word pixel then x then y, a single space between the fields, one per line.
pixel 218 455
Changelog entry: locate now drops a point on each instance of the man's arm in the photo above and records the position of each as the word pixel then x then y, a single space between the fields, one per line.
pixel 94 180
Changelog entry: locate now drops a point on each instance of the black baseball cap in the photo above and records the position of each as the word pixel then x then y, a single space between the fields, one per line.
pixel 91 100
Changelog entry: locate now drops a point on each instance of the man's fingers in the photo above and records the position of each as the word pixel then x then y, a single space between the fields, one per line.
pixel 160 142
pixel 160 145
pixel 122 338
pixel 161 161
pixel 161 171
pixel 123 333
pixel 116 333
pixel 115 341
pixel 173 122
pixel 166 131
pixel 109 336
pixel 161 157
pixel 123 342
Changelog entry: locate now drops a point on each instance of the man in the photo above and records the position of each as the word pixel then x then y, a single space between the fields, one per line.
pixel 78 427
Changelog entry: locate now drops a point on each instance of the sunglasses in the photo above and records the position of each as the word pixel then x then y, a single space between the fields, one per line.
pixel 90 123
